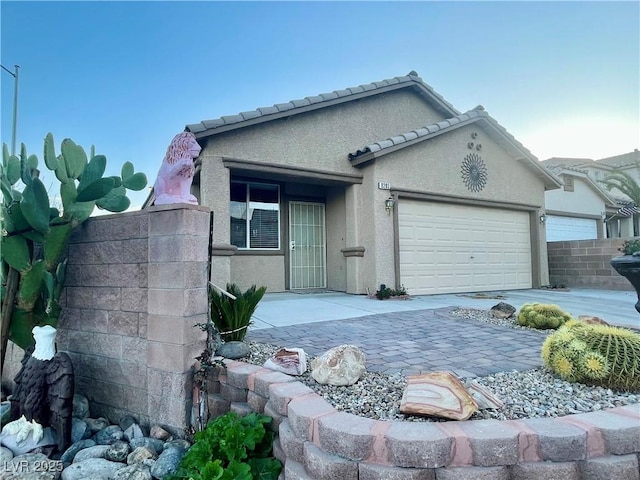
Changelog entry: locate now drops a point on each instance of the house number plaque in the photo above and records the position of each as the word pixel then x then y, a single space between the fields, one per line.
pixel 384 185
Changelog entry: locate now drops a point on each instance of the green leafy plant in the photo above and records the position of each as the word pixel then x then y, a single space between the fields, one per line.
pixel 599 355
pixel 35 234
pixel 630 247
pixel 542 316
pixel 385 292
pixel 231 448
pixel 232 316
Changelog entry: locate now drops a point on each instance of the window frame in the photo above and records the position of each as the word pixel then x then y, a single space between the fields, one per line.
pixel 248 184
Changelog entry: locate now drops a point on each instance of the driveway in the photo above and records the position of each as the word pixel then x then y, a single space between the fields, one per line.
pixel 285 309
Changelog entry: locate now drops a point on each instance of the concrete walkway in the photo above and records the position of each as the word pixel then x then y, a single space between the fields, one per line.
pixel 283 309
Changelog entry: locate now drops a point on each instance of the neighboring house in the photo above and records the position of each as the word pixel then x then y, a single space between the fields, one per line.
pixel 624 220
pixel 385 183
pixel 577 211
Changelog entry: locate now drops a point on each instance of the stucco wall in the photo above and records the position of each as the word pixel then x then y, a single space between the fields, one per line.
pixel 260 270
pixel 583 200
pixel 136 285
pixel 336 234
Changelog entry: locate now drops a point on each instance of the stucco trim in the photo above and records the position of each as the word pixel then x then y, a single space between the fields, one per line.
pixel 353 251
pixel 223 250
pixel 438 197
pixel 290 172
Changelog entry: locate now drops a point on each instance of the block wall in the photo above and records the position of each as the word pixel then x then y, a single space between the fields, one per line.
pixel 585 264
pixel 136 285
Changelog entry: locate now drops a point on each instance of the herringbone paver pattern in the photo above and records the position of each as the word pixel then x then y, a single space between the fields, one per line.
pixel 417 342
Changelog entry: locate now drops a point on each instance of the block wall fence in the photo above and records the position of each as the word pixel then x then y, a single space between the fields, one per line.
pixel 317 442
pixel 136 285
pixel 585 264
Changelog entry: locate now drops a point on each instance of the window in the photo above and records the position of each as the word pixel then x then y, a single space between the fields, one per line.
pixel 568 184
pixel 255 215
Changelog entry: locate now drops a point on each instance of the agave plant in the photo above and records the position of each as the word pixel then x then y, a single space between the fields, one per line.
pixel 231 310
pixel 35 234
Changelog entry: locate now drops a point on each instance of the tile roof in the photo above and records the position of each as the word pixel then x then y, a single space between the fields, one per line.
pixel 374 150
pixel 434 129
pixel 264 114
pixel 623 160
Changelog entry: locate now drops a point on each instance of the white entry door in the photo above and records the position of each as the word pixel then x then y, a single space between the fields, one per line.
pixel 307 245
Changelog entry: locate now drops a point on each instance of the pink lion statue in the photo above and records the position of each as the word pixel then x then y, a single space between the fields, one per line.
pixel 173 184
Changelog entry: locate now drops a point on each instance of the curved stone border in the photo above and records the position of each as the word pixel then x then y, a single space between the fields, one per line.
pixel 316 441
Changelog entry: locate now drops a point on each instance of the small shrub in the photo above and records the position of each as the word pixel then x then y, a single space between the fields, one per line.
pixel 598 355
pixel 232 317
pixel 630 247
pixel 231 448
pixel 542 316
pixel 385 292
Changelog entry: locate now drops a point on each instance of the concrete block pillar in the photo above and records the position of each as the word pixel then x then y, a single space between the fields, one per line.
pixel 177 300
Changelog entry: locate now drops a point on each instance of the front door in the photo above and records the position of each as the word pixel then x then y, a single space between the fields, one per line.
pixel 307 245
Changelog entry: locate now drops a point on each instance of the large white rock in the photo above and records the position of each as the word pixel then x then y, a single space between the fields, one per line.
pixel 343 365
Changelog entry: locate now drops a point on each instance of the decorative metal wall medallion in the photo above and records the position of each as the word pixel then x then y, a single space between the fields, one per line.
pixel 474 172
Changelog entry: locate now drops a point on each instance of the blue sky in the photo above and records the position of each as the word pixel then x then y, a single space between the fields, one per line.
pixel 563 77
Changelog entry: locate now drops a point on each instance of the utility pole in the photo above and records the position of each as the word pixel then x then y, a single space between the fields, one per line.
pixel 14 125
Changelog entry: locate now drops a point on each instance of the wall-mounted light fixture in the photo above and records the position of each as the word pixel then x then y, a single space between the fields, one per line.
pixel 543 218
pixel 389 203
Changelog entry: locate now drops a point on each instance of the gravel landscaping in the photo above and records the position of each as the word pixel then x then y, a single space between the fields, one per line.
pixel 525 394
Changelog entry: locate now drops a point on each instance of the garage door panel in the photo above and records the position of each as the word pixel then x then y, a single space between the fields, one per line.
pixel 452 248
pixel 570 228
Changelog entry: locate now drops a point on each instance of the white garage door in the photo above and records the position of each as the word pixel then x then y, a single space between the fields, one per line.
pixel 570 228
pixel 447 248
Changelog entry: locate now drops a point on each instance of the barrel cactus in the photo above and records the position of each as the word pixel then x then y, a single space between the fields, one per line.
pixel 35 233
pixel 542 316
pixel 595 355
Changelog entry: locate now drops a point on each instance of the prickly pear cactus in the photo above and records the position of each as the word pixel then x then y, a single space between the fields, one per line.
pixel 594 355
pixel 542 316
pixel 35 234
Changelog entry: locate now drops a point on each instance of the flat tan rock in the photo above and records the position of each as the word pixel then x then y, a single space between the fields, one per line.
pixel 438 394
pixel 483 396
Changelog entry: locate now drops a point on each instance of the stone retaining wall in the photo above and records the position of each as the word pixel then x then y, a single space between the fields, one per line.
pixel 585 264
pixel 317 442
pixel 136 285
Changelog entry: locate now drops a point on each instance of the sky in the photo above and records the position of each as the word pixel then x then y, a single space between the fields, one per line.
pixel 562 77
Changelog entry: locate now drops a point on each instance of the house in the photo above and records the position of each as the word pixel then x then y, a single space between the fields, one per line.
pixel 624 220
pixel 384 183
pixel 579 209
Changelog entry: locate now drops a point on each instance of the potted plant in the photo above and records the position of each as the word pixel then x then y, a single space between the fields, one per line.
pixel 628 265
pixel 35 233
pixel 231 312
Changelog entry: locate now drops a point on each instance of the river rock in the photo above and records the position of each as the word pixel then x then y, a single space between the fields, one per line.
pixel 92 466
pixel 96 424
pixel 31 466
pixel 70 453
pixel 80 406
pixel 126 421
pixel 133 431
pixel 79 430
pixel 137 471
pixel 502 310
pixel 177 442
pixel 153 443
pixel 438 394
pixel 90 452
pixel 159 433
pixel 233 350
pixel 109 435
pixel 167 462
pixel 591 320
pixel 117 452
pixel 343 365
pixel 5 413
pixel 140 454
pixel 5 455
